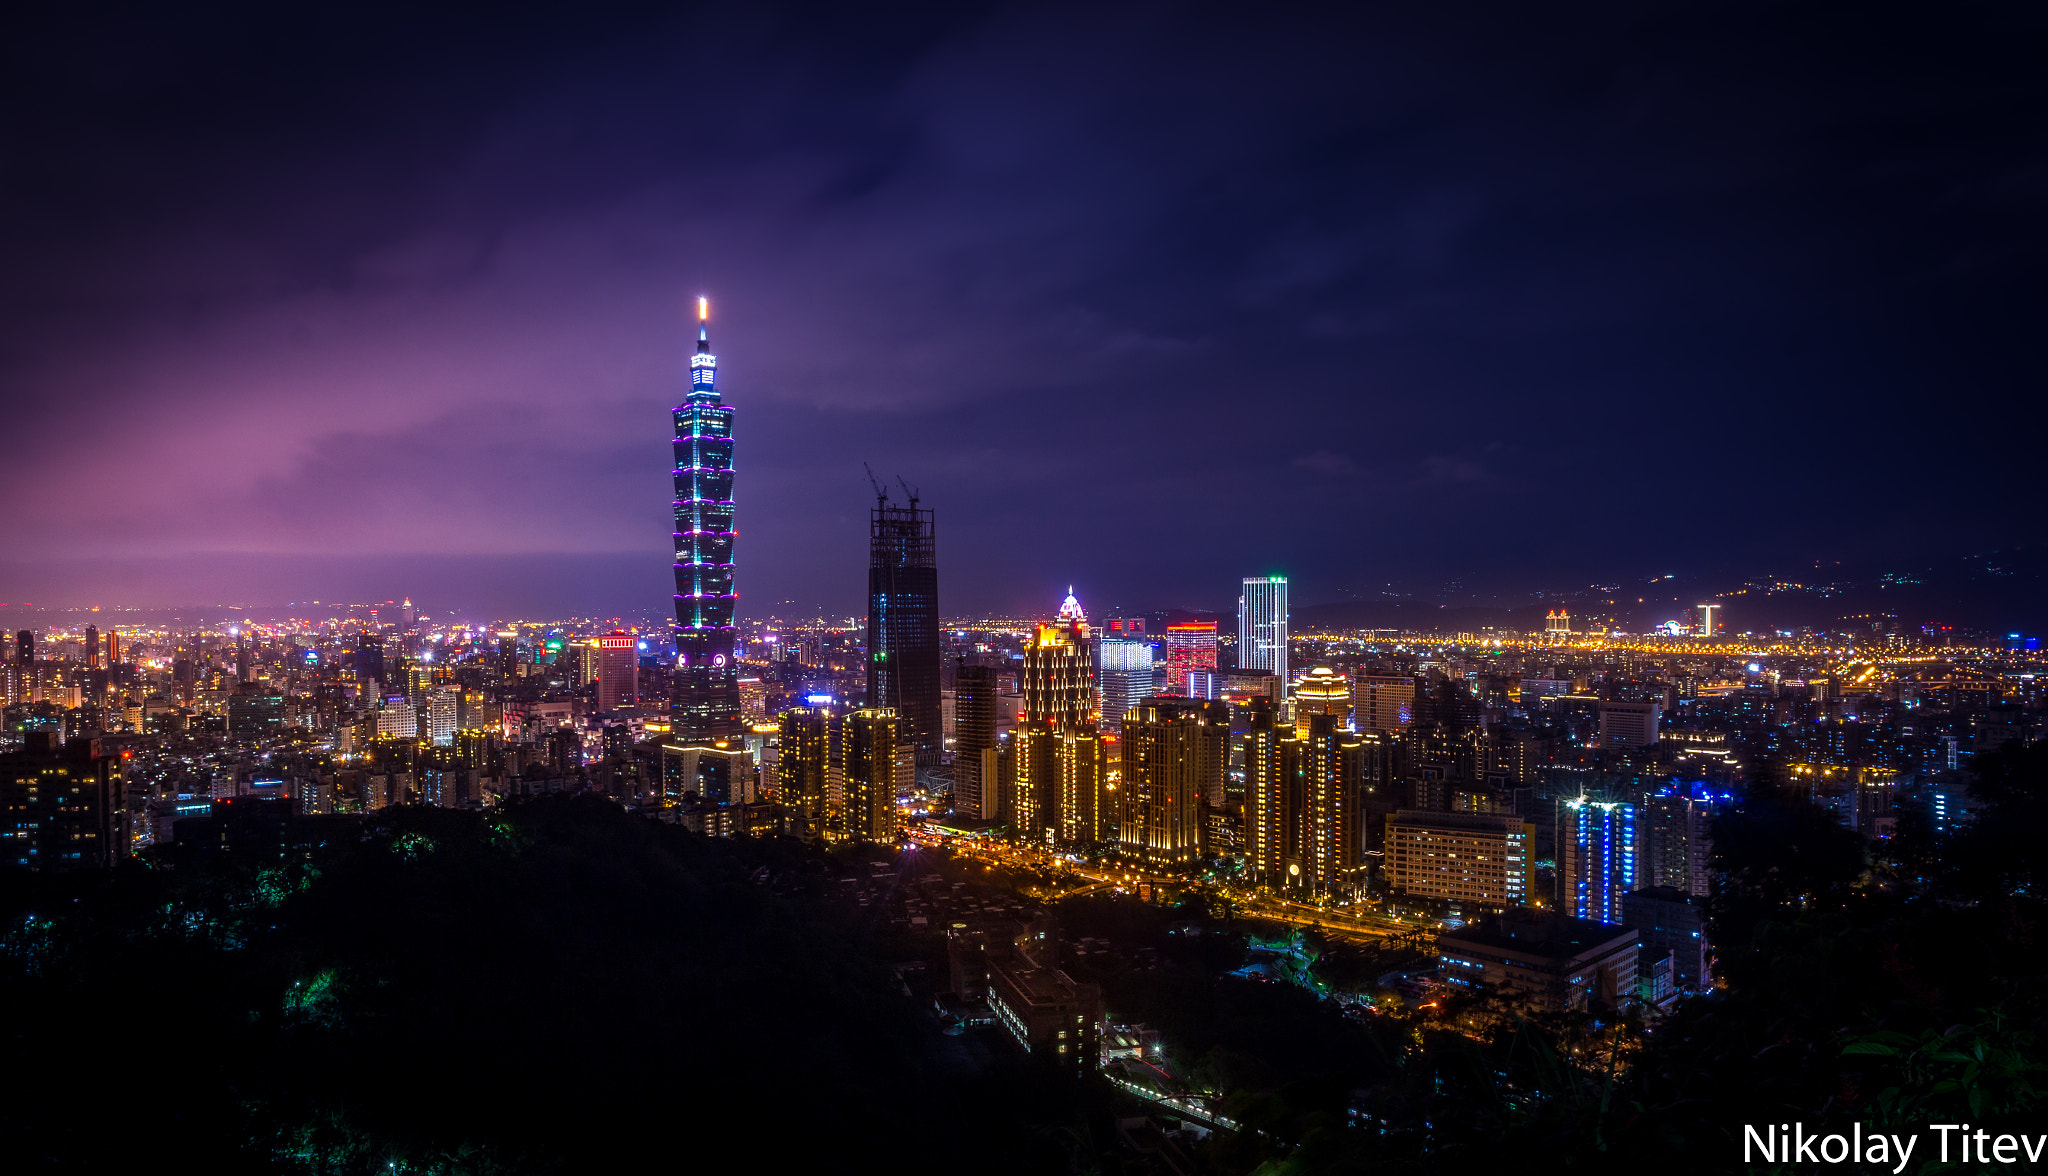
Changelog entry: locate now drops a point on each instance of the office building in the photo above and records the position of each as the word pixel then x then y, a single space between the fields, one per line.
pixel 113 640
pixel 976 791
pixel 1546 962
pixel 903 622
pixel 1480 859
pixel 440 716
pixel 1382 704
pixel 63 806
pixel 1597 861
pixel 1041 1007
pixel 869 775
pixel 1059 670
pixel 1628 724
pixel 1190 646
pixel 1173 758
pixel 1262 626
pixel 1123 677
pixel 24 648
pixel 704 709
pixel 1671 922
pixel 618 671
pixel 92 647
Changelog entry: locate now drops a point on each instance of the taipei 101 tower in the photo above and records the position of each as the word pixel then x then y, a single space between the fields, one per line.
pixel 705 708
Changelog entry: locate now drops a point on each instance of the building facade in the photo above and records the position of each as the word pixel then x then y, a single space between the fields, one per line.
pixel 1484 859
pixel 618 671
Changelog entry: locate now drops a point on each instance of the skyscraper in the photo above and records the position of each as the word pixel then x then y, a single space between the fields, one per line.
pixel 903 622
pixel 1190 646
pixel 618 671
pixel 1059 670
pixel 1262 626
pixel 92 647
pixel 1123 677
pixel 25 647
pixel 1172 758
pixel 869 774
pixel 1596 843
pixel 975 786
pixel 705 707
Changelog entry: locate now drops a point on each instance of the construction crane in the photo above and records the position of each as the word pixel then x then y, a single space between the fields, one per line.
pixel 881 493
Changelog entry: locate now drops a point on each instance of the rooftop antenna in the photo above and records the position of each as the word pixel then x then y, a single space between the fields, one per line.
pixel 881 494
pixel 908 489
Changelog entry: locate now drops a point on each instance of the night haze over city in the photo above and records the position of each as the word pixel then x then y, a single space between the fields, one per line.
pixel 1248 589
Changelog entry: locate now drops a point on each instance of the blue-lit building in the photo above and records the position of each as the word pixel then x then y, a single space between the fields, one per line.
pixel 705 706
pixel 903 623
pixel 1598 863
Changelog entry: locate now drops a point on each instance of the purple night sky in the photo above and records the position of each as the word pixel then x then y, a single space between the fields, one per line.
pixel 363 302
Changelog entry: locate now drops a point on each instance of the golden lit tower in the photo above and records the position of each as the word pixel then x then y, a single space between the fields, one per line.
pixel 1059 670
pixel 1322 692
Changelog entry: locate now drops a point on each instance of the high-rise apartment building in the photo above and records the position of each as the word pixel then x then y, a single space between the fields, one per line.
pixel 704 709
pixel 1597 862
pixel 1082 798
pixel 24 647
pixel 903 622
pixel 868 774
pixel 92 647
pixel 1262 626
pixel 1304 794
pixel 63 806
pixel 975 787
pixel 1032 807
pixel 1059 670
pixel 1676 841
pixel 1173 752
pixel 113 648
pixel 1123 677
pixel 618 671
pixel 804 768
pixel 1190 646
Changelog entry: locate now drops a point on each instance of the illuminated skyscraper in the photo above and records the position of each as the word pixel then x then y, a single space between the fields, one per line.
pixel 24 647
pixel 618 671
pixel 1173 752
pixel 113 649
pixel 705 708
pixel 1059 670
pixel 92 647
pixel 903 622
pixel 1190 646
pixel 1262 626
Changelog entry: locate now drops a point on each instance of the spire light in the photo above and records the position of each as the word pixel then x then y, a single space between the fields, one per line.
pixel 703 309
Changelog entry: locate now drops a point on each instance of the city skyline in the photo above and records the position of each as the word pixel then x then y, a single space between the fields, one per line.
pixel 1650 309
